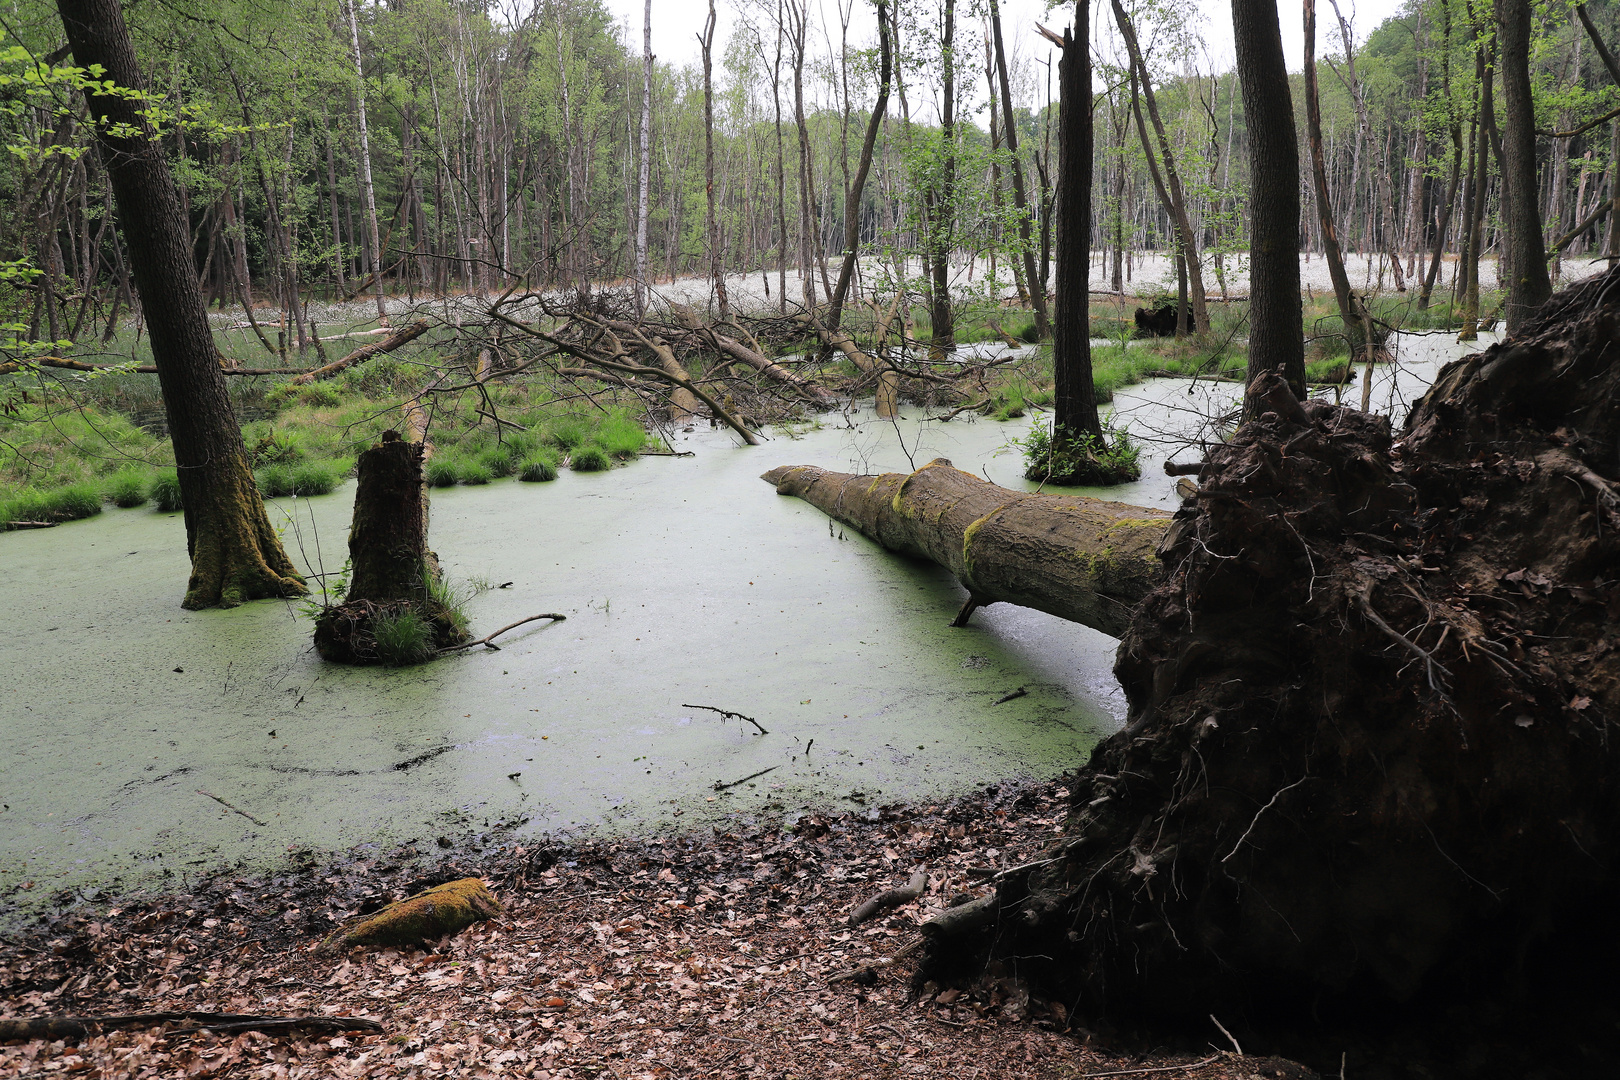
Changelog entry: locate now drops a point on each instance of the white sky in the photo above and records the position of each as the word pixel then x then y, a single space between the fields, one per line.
pixel 676 24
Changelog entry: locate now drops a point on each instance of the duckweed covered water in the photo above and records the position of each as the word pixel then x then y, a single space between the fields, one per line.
pixel 686 581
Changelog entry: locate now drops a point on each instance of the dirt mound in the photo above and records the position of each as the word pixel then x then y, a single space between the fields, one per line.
pixel 1368 755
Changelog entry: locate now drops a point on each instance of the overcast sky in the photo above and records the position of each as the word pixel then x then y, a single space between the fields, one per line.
pixel 676 23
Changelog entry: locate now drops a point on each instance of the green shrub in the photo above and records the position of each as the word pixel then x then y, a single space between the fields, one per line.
pixel 165 491
pixel 538 466
pixel 620 436
pixel 279 448
pixel 474 472
pixel 275 481
pixel 443 470
pixel 566 432
pixel 1080 460
pixel 126 488
pixel 497 460
pixel 590 458
pixel 520 444
pixel 321 396
pixel 1029 334
pixel 61 504
pixel 317 477
pixel 403 637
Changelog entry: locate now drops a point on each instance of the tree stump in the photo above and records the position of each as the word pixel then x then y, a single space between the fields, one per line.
pixel 393 611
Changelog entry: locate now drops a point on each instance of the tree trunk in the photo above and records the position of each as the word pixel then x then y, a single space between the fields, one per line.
pixel 235 554
pixel 1078 558
pixel 392 570
pixel 717 270
pixel 367 190
pixel 646 160
pixel 1352 314
pixel 1481 188
pixel 1171 192
pixel 852 195
pixel 940 201
pixel 1074 393
pixel 1529 285
pixel 1037 296
pixel 1276 333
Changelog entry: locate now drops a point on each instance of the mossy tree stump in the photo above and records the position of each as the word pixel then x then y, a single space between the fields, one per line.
pixel 392 612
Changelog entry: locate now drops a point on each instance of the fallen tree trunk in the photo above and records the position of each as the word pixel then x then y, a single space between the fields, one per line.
pixel 360 355
pixel 1081 559
pixel 11 367
pixel 1370 755
pixel 730 347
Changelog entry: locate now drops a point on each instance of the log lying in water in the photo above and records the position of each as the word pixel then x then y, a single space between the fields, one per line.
pixel 1080 559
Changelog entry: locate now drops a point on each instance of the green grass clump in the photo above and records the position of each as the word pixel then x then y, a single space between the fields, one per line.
pixel 474 472
pixel 443 470
pixel 497 460
pixel 319 477
pixel 590 458
pixel 70 503
pixel 275 481
pixel 164 491
pixel 566 432
pixel 279 448
pixel 403 638
pixel 126 488
pixel 538 467
pixel 620 436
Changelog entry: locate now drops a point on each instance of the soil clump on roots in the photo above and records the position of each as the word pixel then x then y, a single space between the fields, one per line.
pixel 1368 769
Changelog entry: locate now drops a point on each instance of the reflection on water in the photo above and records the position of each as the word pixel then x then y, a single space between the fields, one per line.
pixel 686 581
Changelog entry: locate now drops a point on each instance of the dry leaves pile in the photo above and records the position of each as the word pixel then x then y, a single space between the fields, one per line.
pixel 674 956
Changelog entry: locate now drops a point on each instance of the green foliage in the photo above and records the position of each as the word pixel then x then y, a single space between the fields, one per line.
pixel 566 432
pixel 279 448
pixel 497 461
pixel 403 638
pixel 305 478
pixel 1079 458
pixel 620 436
pixel 590 458
pixel 474 472
pixel 538 467
pixel 126 488
pixel 165 491
pixel 70 503
pixel 443 470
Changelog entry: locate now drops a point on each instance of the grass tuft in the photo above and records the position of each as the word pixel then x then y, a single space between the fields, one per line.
pixel 165 491
pixel 538 467
pixel 126 488
pixel 590 458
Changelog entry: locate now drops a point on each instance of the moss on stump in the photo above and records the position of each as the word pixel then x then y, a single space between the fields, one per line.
pixel 438 912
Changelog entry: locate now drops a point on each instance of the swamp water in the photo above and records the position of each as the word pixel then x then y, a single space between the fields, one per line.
pixel 686 581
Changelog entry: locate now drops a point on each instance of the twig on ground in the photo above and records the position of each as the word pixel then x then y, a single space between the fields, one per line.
pixel 234 809
pixel 890 898
pixel 486 641
pixel 718 786
pixel 77 1027
pixel 1157 1069
pixel 729 715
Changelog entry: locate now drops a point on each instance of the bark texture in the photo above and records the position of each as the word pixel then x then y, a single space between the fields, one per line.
pixel 1276 335
pixel 391 566
pixel 1081 559
pixel 1529 285
pixel 235 554
pixel 1074 394
pixel 1369 754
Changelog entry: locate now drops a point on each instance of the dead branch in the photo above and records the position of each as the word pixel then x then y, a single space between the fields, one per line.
pixel 718 786
pixel 488 642
pixel 233 809
pixel 729 715
pixel 78 1027
pixel 361 355
pixel 890 898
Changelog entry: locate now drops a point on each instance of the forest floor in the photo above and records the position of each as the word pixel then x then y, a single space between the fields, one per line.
pixel 707 955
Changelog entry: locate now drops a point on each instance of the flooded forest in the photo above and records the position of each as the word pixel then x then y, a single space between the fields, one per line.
pixel 749 538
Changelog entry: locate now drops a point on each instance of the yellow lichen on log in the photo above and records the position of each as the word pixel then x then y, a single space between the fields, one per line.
pixel 1082 559
pixel 440 911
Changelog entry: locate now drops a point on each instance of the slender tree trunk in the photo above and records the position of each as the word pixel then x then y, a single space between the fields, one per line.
pixel 1351 312
pixel 1037 296
pixel 646 160
pixel 852 195
pixel 1482 172
pixel 235 554
pixel 1276 336
pixel 367 190
pixel 717 270
pixel 1529 286
pixel 1174 199
pixel 941 200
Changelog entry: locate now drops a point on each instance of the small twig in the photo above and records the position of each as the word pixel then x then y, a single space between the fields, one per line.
pixel 485 641
pixel 76 1027
pixel 1018 693
pixel 1158 1069
pixel 718 786
pixel 872 966
pixel 729 715
pixel 1228 1035
pixel 1256 821
pixel 234 809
